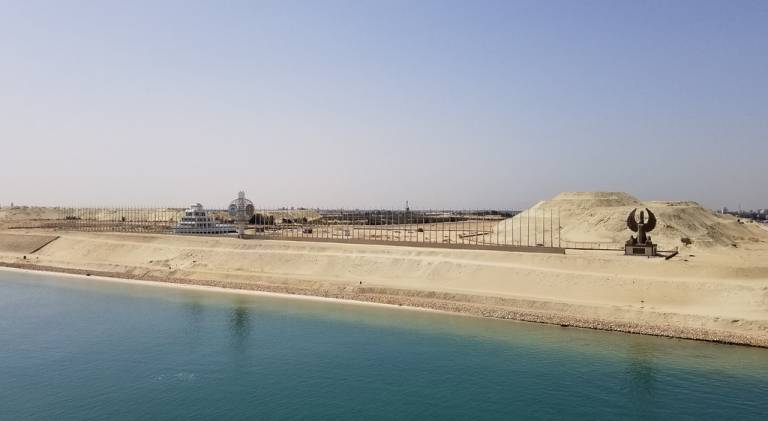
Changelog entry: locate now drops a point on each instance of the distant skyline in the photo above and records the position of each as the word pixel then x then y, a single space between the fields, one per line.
pixel 446 104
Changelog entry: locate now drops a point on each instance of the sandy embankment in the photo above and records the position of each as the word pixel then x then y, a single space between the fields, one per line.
pixel 719 296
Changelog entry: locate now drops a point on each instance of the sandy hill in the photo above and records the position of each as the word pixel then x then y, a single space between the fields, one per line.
pixel 26 213
pixel 33 215
pixel 600 217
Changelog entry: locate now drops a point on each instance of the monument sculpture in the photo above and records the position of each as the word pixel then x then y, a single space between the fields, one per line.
pixel 640 245
pixel 241 210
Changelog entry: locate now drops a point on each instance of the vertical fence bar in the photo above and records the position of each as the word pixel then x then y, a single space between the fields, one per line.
pixel 483 224
pixel 512 227
pixel 543 228
pixel 478 227
pixel 441 227
pixel 432 234
pixel 400 221
pixel 528 219
pixel 404 228
pixel 551 232
pixel 407 222
pixel 433 226
pixel 496 227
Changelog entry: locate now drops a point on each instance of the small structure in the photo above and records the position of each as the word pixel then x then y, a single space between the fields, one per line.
pixel 241 210
pixel 197 221
pixel 642 244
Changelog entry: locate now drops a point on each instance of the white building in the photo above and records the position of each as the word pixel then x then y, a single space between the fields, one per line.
pixel 197 221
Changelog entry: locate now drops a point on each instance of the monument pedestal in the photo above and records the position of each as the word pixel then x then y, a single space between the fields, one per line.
pixel 648 250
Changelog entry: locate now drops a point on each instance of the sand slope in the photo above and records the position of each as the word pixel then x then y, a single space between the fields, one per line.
pixel 23 244
pixel 714 296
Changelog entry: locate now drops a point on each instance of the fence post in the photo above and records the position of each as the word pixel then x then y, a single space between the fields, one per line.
pixel 551 231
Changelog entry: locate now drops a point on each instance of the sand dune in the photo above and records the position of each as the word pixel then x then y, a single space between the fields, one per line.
pixel 600 217
pixel 26 213
pixel 34 213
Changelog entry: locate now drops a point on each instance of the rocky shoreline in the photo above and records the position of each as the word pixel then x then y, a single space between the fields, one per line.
pixel 466 304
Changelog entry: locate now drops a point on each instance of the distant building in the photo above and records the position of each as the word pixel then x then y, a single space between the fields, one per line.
pixel 197 221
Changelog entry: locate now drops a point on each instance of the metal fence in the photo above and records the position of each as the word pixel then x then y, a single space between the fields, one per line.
pixel 143 220
pixel 487 228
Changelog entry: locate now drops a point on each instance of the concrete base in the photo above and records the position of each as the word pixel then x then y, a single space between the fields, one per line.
pixel 648 250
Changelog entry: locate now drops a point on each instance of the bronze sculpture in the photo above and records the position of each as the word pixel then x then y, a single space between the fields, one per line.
pixel 642 244
pixel 642 228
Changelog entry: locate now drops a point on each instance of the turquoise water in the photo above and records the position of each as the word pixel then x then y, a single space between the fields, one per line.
pixel 79 349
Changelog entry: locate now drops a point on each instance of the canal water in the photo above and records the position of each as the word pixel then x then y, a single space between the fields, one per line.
pixel 81 348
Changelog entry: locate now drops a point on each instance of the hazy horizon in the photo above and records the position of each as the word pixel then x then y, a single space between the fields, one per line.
pixel 363 104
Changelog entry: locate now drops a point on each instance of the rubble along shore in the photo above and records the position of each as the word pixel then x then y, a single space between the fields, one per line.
pixel 478 306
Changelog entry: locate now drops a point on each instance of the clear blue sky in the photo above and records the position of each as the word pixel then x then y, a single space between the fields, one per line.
pixel 369 103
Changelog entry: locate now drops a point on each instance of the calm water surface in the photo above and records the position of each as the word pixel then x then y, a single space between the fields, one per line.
pixel 79 348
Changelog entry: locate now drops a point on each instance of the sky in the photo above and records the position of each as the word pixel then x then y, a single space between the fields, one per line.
pixel 360 104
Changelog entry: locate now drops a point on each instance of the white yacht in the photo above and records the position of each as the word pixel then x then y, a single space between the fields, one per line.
pixel 197 221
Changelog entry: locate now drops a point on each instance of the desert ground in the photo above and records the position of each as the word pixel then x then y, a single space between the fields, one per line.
pixel 715 288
